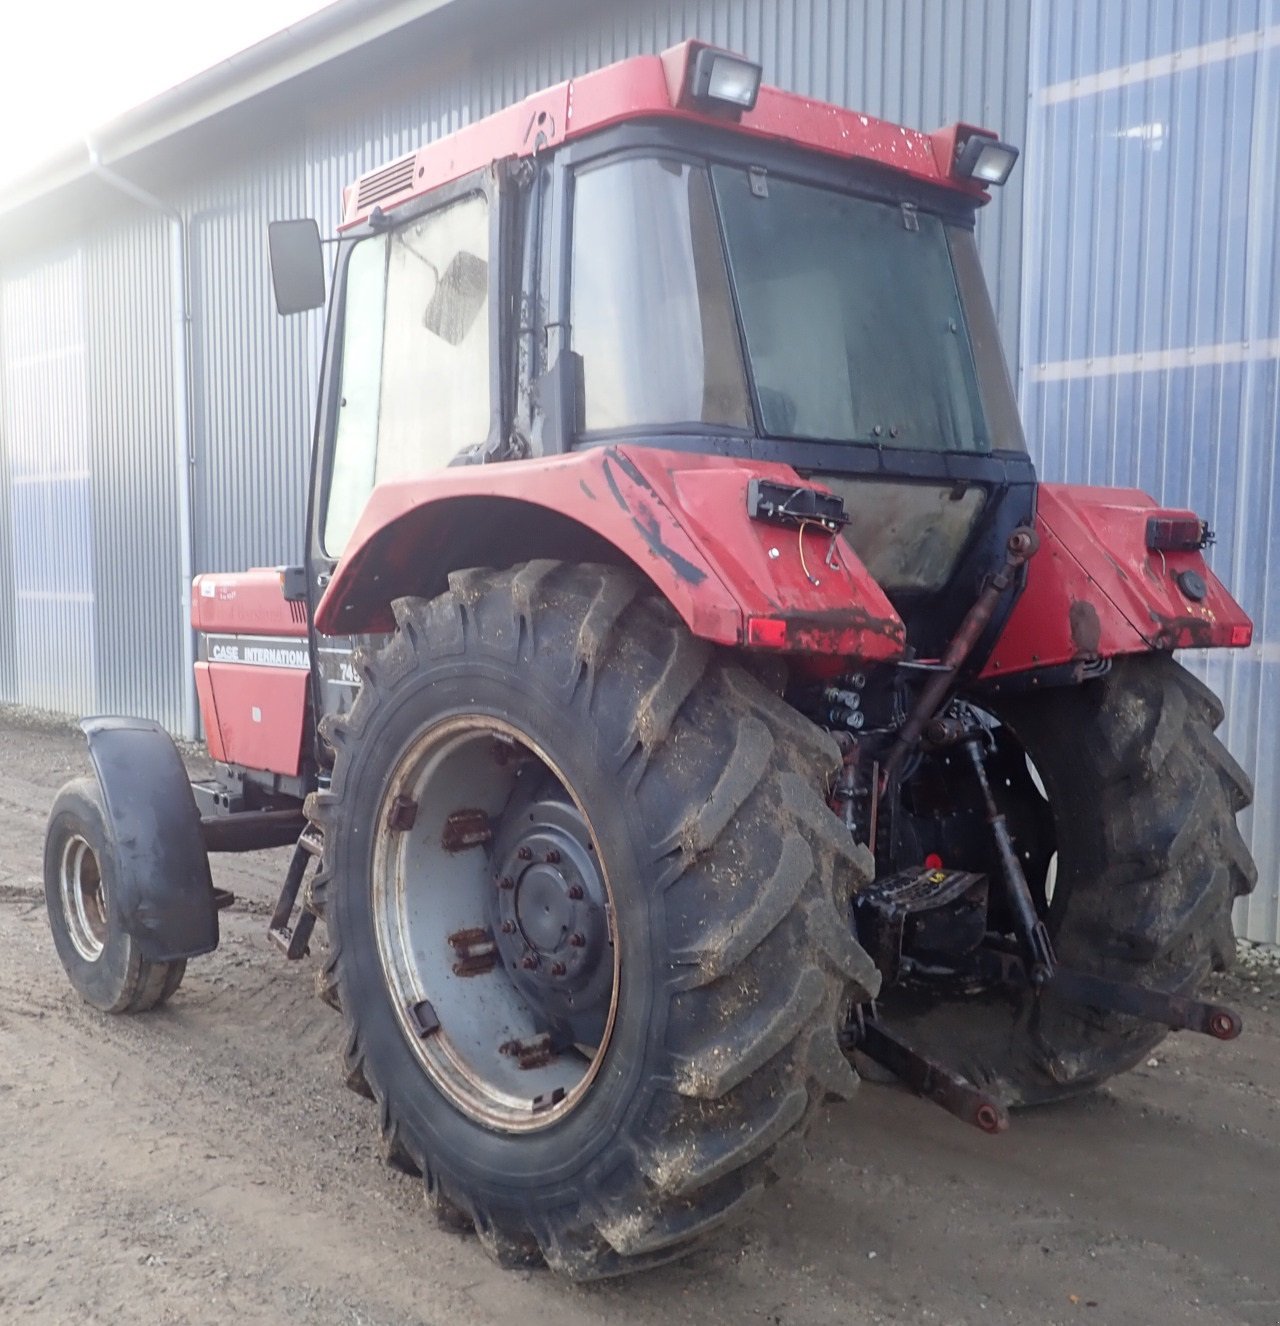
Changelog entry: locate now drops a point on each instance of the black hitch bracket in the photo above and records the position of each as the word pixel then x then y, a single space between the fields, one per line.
pixel 927 1078
pixel 1177 1012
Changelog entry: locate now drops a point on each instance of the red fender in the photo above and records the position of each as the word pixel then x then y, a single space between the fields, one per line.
pixel 1095 590
pixel 680 517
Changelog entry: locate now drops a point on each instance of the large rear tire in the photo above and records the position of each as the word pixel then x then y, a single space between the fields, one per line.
pixel 1149 862
pixel 722 876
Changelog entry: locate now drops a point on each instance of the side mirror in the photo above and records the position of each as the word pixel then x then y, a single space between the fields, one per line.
pixel 297 267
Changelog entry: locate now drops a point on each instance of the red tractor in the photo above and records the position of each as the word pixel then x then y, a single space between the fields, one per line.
pixel 688 687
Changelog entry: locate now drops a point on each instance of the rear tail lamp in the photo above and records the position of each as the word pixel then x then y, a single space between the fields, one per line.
pixel 1168 533
pixel 766 633
pixel 986 160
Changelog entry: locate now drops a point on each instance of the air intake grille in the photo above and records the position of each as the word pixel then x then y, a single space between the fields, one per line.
pixel 390 179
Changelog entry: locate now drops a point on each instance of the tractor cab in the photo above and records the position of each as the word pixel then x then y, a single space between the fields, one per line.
pixel 694 263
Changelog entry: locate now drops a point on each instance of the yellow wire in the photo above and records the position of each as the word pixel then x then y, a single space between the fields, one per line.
pixel 804 566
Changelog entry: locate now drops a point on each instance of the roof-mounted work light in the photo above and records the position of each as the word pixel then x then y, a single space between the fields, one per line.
pixel 723 78
pixel 711 81
pixel 986 160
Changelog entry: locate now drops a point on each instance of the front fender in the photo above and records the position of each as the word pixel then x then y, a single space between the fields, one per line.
pixel 1095 590
pixel 163 894
pixel 679 517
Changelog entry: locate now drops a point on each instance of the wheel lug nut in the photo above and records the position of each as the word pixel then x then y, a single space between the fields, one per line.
pixel 508 927
pixel 529 961
pixel 557 969
pixel 576 940
pixel 525 853
pixel 552 857
pixel 575 891
pixel 506 882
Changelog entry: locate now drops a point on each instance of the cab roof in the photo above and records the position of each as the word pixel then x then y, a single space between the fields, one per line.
pixel 649 87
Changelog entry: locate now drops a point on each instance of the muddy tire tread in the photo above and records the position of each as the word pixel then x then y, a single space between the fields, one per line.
pixel 743 1072
pixel 1152 795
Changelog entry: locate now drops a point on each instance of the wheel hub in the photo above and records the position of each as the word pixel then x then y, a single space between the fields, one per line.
pixel 493 923
pixel 550 918
pixel 84 903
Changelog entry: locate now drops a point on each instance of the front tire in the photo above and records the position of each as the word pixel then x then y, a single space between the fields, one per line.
pixel 81 868
pixel 723 876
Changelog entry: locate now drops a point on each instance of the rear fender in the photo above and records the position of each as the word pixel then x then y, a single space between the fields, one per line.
pixel 163 894
pixel 1095 590
pixel 678 517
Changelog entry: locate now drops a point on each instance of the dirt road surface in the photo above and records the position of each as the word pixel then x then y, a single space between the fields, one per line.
pixel 205 1164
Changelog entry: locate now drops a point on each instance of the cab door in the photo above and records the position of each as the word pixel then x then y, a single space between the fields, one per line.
pixel 412 380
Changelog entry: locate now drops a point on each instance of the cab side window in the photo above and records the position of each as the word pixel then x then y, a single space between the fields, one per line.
pixel 415 361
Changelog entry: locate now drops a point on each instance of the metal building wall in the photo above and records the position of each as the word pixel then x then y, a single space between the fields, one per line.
pixel 140 604
pixel 89 613
pixel 46 402
pixel 108 405
pixel 1151 330
pixel 8 606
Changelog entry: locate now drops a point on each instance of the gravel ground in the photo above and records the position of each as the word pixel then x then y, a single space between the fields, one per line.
pixel 204 1164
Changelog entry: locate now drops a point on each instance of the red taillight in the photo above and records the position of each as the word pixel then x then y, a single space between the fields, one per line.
pixel 766 633
pixel 1242 635
pixel 1177 533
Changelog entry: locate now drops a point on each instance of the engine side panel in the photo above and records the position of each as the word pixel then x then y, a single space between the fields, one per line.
pixel 1095 590
pixel 254 669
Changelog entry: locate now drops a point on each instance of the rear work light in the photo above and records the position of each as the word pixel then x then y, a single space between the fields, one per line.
pixel 986 160
pixel 724 79
pixel 1170 533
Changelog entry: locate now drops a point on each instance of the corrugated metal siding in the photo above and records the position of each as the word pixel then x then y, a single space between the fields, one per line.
pixel 8 620
pixel 141 606
pixel 46 400
pixel 1151 345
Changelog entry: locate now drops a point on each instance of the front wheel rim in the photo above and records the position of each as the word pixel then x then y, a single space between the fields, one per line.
pixel 84 898
pixel 495 923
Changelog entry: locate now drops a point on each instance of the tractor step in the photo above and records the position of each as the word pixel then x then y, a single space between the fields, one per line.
pixel 291 937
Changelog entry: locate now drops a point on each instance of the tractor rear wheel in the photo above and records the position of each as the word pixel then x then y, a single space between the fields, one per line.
pixel 101 960
pixel 585 906
pixel 1143 799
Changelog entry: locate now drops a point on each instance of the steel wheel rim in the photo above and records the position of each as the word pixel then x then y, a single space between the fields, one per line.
pixel 84 898
pixel 477 1034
